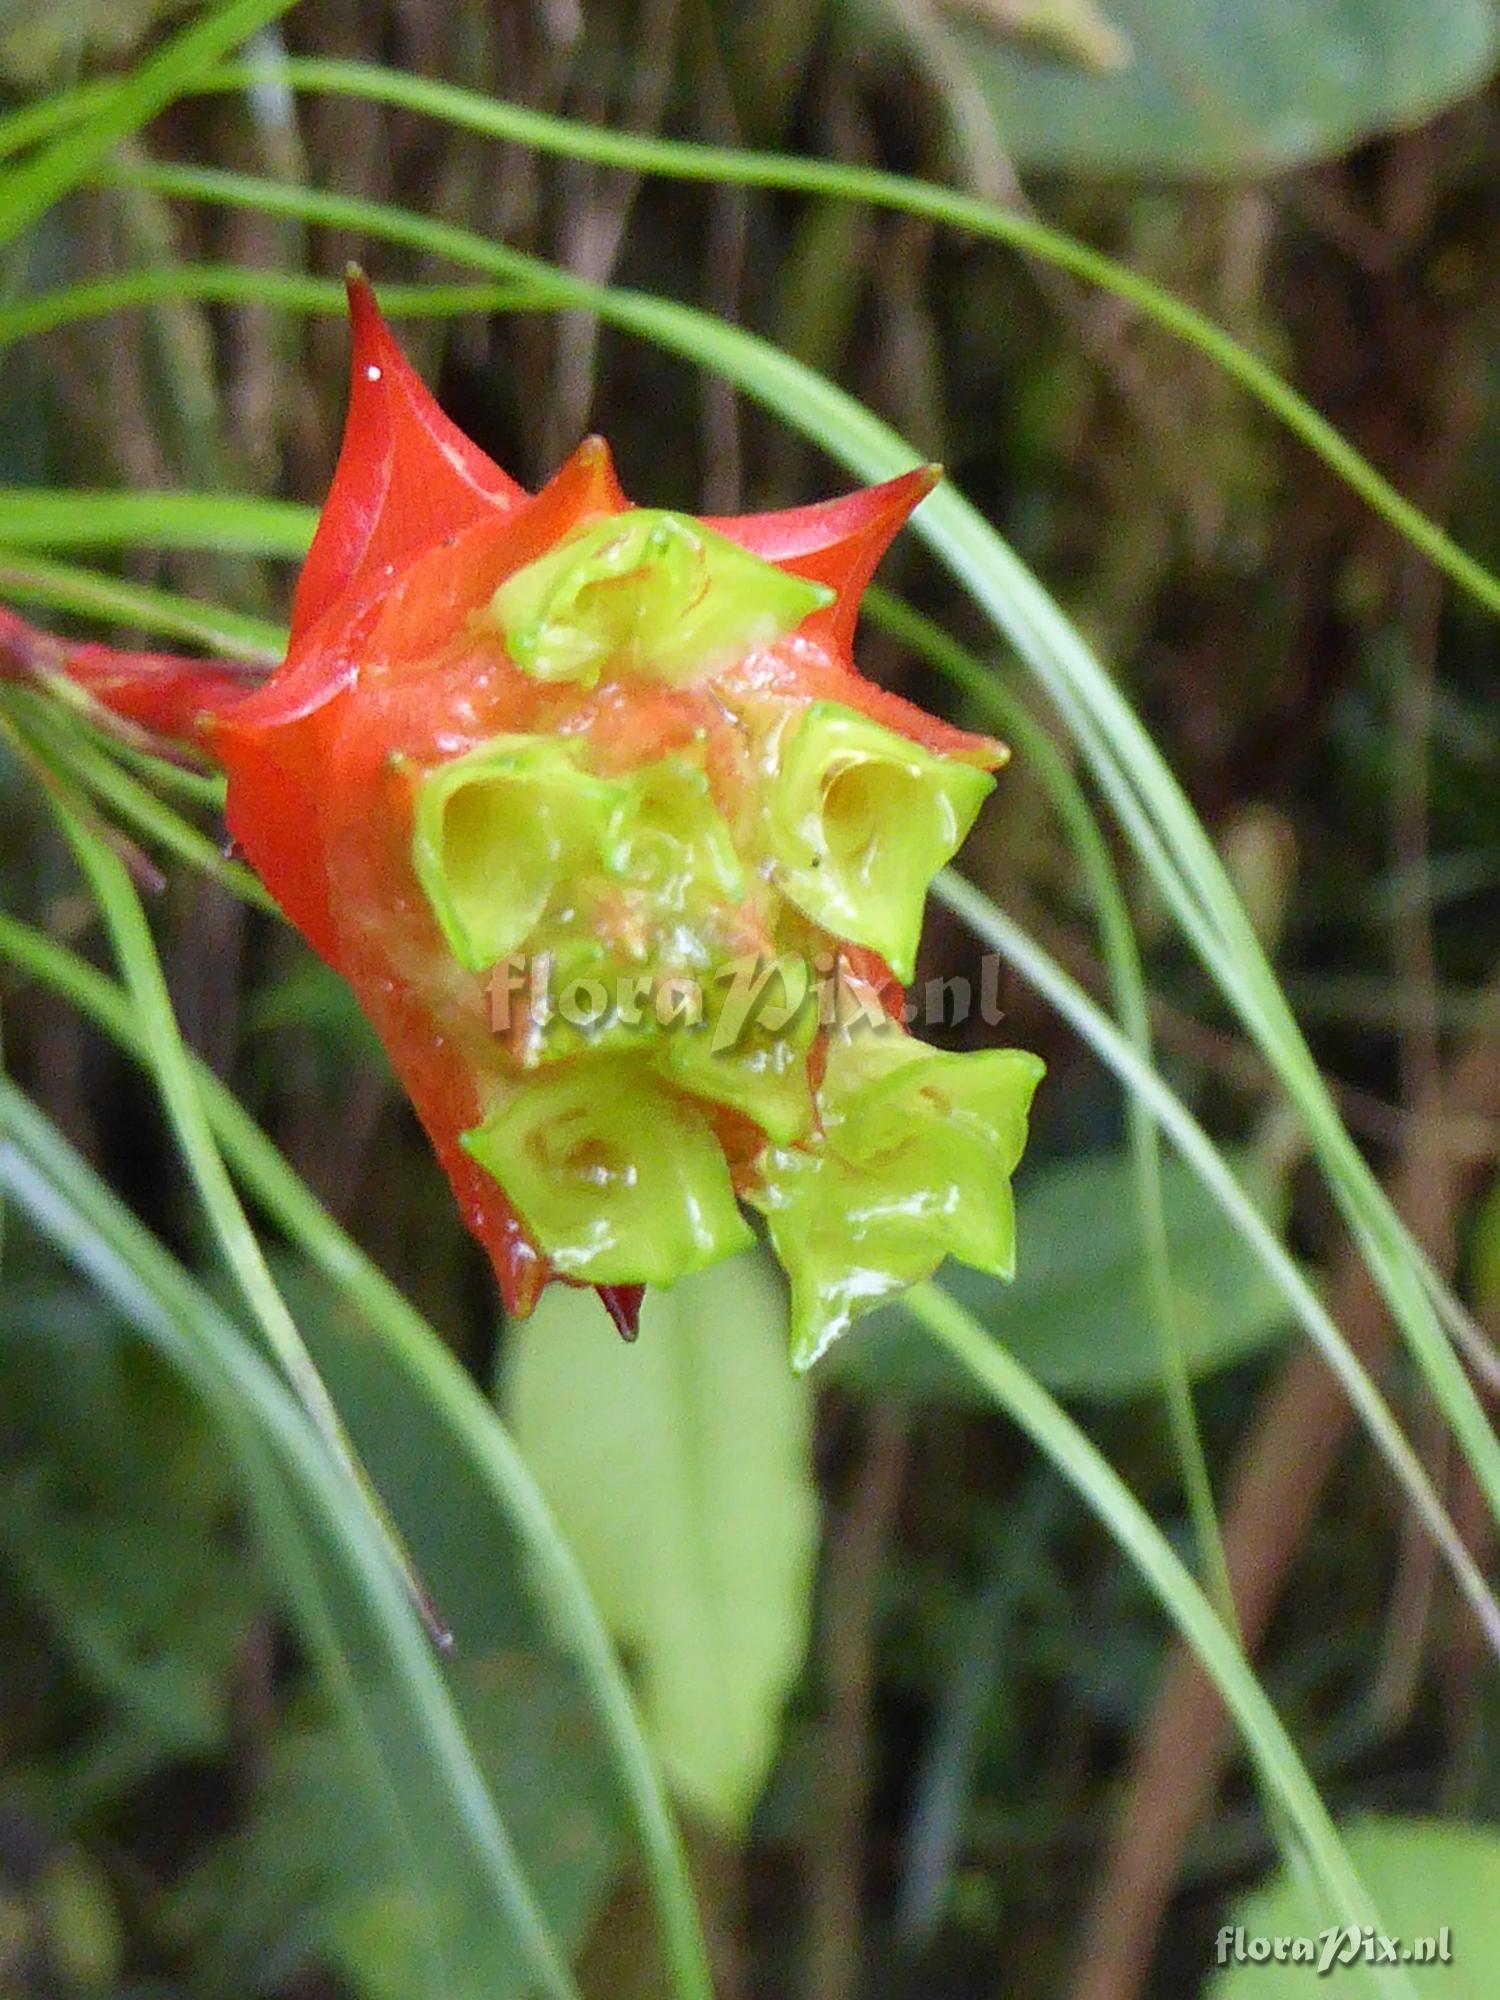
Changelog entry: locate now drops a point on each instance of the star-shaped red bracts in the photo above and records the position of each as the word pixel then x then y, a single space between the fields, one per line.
pixel 610 741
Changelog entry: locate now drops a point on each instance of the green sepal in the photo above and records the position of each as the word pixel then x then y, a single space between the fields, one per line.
pixel 913 1164
pixel 649 593
pixel 618 1180
pixel 496 830
pixel 859 820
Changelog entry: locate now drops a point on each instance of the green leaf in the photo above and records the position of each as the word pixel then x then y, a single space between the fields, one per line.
pixel 1215 87
pixel 1078 1314
pixel 680 1470
pixel 1427 1876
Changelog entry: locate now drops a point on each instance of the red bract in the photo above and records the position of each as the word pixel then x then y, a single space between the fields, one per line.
pixel 560 725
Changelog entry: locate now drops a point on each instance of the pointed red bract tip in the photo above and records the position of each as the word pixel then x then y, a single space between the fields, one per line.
pixel 836 542
pixel 406 476
pixel 584 488
pixel 623 1304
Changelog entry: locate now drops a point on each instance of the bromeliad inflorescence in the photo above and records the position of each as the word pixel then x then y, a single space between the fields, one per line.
pixel 525 746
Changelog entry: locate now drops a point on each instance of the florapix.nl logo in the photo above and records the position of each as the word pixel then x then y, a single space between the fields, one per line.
pixel 767 995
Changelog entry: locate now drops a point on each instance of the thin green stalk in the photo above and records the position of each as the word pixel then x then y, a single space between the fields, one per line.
pixel 116 896
pixel 30 124
pixel 62 586
pixel 1281 1770
pixel 69 752
pixel 38 516
pixel 434 1374
pixel 200 788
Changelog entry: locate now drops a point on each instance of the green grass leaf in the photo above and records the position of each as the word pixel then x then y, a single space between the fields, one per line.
pixel 232 523
pixel 1280 1769
pixel 1198 1150
pixel 28 190
pixel 60 586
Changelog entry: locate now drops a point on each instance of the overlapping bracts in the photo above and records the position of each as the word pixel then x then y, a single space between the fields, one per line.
pixel 535 744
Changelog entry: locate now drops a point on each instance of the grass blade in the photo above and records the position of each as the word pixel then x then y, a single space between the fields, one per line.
pixel 421 1778
pixel 64 586
pixel 28 190
pixel 233 284
pixel 1195 1146
pixel 1280 1768
pixel 477 1432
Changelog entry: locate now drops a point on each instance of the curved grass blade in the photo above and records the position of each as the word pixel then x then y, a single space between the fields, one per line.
pixel 477 1431
pixel 61 586
pixel 109 880
pixel 28 190
pixel 43 517
pixel 327 1558
pixel 1091 1475
pixel 1127 978
pixel 234 284
pixel 66 748
pixel 1198 1150
pixel 30 124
